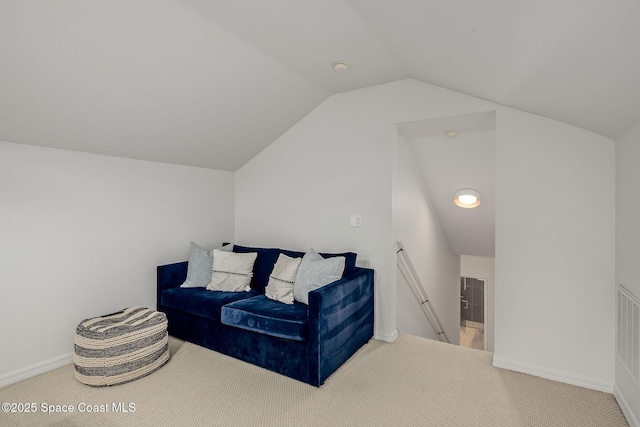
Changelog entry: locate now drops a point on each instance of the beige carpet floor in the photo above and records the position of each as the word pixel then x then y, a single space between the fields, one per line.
pixel 412 382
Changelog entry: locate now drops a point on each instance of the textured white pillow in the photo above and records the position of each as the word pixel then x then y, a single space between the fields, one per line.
pixel 316 271
pixel 281 280
pixel 231 271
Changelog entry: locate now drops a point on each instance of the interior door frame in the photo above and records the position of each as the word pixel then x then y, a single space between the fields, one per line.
pixel 485 280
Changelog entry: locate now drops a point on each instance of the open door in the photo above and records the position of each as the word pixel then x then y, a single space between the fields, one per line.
pixel 472 316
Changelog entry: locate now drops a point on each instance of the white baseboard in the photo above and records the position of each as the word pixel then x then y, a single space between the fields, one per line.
pixel 626 409
pixel 555 375
pixel 36 369
pixel 385 336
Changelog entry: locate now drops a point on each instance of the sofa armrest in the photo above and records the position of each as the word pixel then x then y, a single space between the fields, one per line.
pixel 341 318
pixel 170 276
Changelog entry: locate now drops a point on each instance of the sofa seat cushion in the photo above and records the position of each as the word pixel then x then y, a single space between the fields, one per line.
pixel 201 302
pixel 265 316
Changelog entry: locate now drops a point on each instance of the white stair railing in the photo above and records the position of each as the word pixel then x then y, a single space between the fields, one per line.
pixel 411 276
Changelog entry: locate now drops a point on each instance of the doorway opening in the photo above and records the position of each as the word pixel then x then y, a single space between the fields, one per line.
pixel 472 312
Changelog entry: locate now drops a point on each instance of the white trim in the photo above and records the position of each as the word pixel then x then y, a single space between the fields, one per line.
pixel 624 406
pixel 388 337
pixel 35 369
pixel 555 375
pixel 485 299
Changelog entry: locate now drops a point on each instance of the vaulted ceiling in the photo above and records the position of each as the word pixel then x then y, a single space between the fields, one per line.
pixel 211 83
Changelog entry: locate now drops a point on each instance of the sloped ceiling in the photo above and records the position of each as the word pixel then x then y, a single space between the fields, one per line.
pixel 449 164
pixel 211 83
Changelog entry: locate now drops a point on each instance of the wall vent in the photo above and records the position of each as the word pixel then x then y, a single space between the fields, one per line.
pixel 628 332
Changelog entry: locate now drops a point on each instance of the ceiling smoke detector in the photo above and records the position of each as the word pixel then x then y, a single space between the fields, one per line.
pixel 339 67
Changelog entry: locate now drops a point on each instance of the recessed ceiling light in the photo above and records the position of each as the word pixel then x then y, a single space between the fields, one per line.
pixel 467 198
pixel 451 133
pixel 340 66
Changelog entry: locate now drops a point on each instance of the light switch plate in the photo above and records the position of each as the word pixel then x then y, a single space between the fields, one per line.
pixel 356 220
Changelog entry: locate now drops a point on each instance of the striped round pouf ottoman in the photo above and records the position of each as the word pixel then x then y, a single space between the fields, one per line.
pixel 120 347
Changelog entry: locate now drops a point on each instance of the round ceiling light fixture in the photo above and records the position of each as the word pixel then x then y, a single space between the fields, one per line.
pixel 467 198
pixel 451 133
pixel 339 67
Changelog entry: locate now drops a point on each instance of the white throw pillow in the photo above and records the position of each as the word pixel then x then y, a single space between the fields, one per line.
pixel 316 271
pixel 231 271
pixel 282 279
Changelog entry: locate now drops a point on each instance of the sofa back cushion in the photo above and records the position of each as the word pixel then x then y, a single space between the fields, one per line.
pixel 267 258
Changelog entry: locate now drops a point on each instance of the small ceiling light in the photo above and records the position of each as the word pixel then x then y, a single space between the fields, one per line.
pixel 451 133
pixel 340 66
pixel 467 198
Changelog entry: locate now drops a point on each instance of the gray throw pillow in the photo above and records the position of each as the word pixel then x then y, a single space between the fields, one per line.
pixel 316 271
pixel 200 264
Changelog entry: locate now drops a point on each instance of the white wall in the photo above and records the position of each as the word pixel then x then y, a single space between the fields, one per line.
pixel 82 235
pixel 628 248
pixel 416 224
pixel 554 250
pixel 481 267
pixel 301 190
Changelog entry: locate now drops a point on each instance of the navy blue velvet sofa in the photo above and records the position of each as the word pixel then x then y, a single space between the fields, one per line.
pixel 307 343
